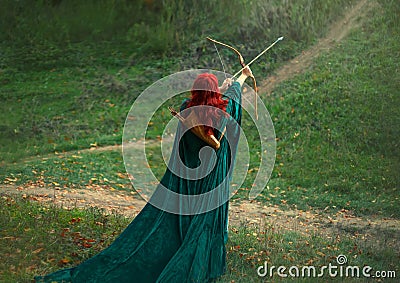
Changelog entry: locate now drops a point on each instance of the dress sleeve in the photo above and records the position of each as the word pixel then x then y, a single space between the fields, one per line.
pixel 184 104
pixel 234 108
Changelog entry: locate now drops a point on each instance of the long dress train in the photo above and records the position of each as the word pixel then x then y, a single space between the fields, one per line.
pixel 158 246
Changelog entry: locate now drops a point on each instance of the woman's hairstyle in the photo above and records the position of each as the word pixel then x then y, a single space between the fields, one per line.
pixel 205 91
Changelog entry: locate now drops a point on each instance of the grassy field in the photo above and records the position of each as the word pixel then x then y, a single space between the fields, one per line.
pixel 336 126
pixel 61 92
pixel 37 239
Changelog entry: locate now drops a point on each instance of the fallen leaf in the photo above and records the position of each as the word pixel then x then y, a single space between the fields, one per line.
pixel 37 251
pixel 64 261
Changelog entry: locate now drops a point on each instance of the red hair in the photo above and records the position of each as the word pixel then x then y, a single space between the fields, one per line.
pixel 205 91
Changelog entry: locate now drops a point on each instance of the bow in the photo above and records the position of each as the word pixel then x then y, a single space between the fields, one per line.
pixel 241 60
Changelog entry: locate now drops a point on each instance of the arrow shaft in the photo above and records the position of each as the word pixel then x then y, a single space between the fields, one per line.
pixel 258 56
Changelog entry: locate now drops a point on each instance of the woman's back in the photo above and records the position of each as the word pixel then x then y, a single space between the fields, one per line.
pixel 189 246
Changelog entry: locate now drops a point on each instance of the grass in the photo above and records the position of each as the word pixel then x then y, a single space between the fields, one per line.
pixel 76 170
pixel 335 123
pixel 66 85
pixel 61 108
pixel 337 143
pixel 37 239
pixel 250 248
pixel 156 27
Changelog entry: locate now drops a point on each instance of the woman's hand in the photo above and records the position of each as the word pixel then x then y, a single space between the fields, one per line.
pixel 225 85
pixel 246 72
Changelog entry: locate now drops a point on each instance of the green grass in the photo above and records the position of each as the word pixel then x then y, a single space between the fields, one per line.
pixel 338 143
pixel 250 247
pixel 37 239
pixel 156 27
pixel 336 124
pixel 74 170
pixel 61 108
pixel 66 85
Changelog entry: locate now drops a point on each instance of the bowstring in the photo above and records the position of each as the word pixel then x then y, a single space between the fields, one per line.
pixel 220 59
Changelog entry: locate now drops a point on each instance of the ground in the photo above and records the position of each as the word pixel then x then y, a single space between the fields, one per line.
pixel 326 222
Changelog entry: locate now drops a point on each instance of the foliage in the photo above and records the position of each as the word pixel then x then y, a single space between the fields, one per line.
pixel 162 26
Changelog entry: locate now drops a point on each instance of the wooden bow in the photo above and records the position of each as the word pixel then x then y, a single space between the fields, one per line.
pixel 243 64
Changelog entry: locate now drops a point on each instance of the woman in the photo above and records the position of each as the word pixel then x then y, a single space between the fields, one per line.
pixel 160 246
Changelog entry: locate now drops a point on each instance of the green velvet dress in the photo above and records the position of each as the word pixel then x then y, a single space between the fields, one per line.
pixel 159 246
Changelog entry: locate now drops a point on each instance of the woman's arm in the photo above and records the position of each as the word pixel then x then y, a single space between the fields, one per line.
pixel 225 85
pixel 229 81
pixel 245 74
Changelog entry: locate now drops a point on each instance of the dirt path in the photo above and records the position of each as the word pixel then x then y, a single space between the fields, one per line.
pixel 338 31
pixel 328 222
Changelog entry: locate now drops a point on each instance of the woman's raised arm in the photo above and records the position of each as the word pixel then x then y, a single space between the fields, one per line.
pixel 245 74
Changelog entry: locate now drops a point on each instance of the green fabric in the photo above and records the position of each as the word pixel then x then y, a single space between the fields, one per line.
pixel 158 246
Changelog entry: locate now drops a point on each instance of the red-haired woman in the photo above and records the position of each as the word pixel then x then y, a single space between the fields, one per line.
pixel 189 245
